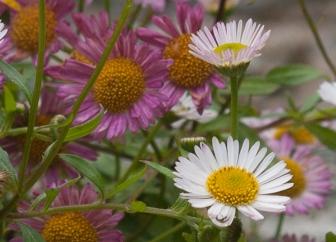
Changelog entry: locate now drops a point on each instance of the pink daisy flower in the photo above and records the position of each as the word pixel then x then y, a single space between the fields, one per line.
pixel 294 238
pixel 24 26
pixel 129 87
pixel 156 5
pixel 50 106
pixel 187 73
pixel 99 225
pixel 311 176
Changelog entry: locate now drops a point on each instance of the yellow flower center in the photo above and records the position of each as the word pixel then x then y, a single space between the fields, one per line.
pixel 69 227
pixel 298 179
pixel 25 28
pixel 300 134
pixel 233 186
pixel 234 47
pixel 120 84
pixel 186 71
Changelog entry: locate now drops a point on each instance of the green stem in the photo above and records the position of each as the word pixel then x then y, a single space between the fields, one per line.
pixel 135 162
pixel 234 107
pixel 81 6
pixel 36 94
pixel 99 206
pixel 220 11
pixel 107 7
pixel 169 232
pixel 279 226
pixel 317 36
pixel 57 145
pixel 134 16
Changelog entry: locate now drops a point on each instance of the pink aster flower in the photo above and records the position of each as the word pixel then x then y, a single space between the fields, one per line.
pixel 294 238
pixel 98 225
pixel 24 27
pixel 156 5
pixel 187 73
pixel 50 106
pixel 129 87
pixel 311 176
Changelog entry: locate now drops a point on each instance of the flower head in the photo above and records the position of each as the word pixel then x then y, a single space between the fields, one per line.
pixel 311 176
pixel 24 27
pixel 95 226
pixel 212 5
pixel 228 179
pixel 128 87
pixel 187 73
pixel 229 45
pixel 186 110
pixel 50 106
pixel 327 92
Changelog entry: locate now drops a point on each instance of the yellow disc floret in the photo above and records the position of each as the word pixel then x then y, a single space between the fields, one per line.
pixel 120 84
pixel 69 227
pixel 298 179
pixel 186 71
pixel 25 28
pixel 234 47
pixel 233 186
pixel 300 134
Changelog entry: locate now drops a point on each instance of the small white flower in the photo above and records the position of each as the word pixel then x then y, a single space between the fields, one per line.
pixel 186 110
pixel 227 179
pixel 3 31
pixel 327 92
pixel 229 44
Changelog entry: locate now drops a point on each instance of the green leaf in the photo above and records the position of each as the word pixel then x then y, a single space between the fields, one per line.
pixel 222 122
pixel 15 77
pixel 86 168
pixel 9 100
pixel 84 129
pixel 255 86
pixel 293 74
pixel 161 169
pixel 138 206
pixel 310 103
pixel 6 165
pixel 330 237
pixel 29 234
pixel 133 178
pixel 325 135
pixel 181 206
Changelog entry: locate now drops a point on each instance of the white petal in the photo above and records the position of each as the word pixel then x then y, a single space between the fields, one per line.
pixel 269 207
pixel 201 203
pixel 273 199
pixel 251 212
pixel 276 189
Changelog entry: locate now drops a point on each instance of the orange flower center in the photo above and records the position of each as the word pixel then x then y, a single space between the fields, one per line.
pixel 186 71
pixel 25 28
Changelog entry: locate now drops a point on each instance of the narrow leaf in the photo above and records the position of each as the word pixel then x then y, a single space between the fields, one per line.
pixel 9 100
pixel 6 165
pixel 29 234
pixel 84 129
pixel 15 77
pixel 161 169
pixel 325 135
pixel 293 74
pixel 133 178
pixel 86 168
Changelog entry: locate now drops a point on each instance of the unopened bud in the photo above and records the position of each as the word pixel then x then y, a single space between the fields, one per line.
pixel 189 143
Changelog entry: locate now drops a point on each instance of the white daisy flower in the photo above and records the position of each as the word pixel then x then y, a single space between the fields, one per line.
pixel 228 179
pixel 186 110
pixel 327 92
pixel 229 44
pixel 3 30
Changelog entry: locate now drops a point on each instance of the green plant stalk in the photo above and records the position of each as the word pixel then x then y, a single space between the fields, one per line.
pixel 81 5
pixel 58 144
pixel 317 36
pixel 169 232
pixel 234 107
pixel 279 226
pixel 107 7
pixel 135 162
pixel 36 95
pixel 99 206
